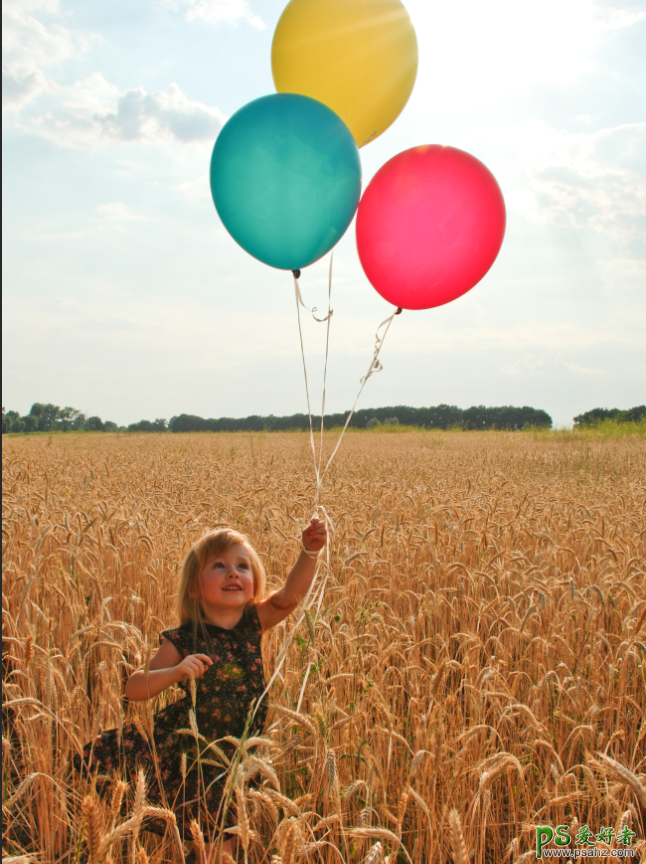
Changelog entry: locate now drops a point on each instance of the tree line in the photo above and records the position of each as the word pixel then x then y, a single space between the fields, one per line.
pixel 46 417
pixel 598 415
pixel 438 417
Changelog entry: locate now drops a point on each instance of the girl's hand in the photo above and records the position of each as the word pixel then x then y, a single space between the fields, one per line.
pixel 314 537
pixel 193 666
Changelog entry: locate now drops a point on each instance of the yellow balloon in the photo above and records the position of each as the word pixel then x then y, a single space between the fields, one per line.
pixel 358 57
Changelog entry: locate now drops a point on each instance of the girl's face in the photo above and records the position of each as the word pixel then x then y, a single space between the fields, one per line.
pixel 227 579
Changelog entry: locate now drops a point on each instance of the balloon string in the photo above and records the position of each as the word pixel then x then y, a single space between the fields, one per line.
pixel 280 659
pixel 299 298
pixel 327 348
pixel 299 303
pixel 375 366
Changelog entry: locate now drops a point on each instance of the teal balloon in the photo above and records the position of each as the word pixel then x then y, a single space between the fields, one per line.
pixel 286 179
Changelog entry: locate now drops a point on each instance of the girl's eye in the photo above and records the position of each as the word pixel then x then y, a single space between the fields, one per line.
pixel 244 566
pixel 218 564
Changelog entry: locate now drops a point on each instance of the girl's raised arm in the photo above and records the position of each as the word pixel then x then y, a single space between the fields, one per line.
pixel 278 605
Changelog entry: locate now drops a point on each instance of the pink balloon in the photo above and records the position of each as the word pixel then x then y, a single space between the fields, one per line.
pixel 429 226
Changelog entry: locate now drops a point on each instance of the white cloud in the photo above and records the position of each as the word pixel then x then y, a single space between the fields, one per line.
pixel 168 115
pixel 71 122
pixel 19 86
pixel 616 19
pixel 218 11
pixel 92 111
pixel 29 46
pixel 117 211
pixel 583 179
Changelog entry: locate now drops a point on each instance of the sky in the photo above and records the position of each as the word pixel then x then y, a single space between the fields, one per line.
pixel 125 297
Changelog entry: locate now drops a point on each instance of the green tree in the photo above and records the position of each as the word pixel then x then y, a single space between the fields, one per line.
pixel 11 422
pixel 68 417
pixel 94 424
pixel 47 415
pixel 634 415
pixel 142 426
pixel 598 415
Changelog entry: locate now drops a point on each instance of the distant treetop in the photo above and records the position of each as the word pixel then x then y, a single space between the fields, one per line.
pixel 46 417
pixel 598 415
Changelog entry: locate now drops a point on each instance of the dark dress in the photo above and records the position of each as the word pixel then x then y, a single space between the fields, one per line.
pixel 223 696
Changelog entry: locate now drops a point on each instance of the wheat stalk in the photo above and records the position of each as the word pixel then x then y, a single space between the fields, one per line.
pixel 460 854
pixel 267 803
pixel 117 797
pixel 287 804
pixel 375 854
pixel 288 848
pixel 142 856
pixel 624 775
pixel 243 818
pixel 198 837
pixel 331 775
pixel 93 828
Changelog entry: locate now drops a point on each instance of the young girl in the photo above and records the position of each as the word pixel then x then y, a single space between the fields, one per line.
pixel 222 615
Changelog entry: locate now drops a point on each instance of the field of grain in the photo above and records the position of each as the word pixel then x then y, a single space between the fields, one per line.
pixel 477 666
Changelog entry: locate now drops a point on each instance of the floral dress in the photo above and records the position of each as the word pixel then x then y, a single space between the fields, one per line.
pixel 192 787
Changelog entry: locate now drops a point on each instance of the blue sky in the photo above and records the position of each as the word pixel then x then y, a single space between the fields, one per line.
pixel 125 297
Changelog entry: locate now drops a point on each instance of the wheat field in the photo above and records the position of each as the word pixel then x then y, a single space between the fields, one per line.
pixel 477 666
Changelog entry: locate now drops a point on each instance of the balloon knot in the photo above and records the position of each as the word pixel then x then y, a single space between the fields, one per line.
pixel 399 310
pixel 297 274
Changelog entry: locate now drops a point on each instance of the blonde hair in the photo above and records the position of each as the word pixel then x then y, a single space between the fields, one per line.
pixel 214 543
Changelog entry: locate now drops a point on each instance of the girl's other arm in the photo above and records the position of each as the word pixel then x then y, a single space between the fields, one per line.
pixel 166 668
pixel 279 604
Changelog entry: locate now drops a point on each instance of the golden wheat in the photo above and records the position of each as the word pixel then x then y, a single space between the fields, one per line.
pixel 477 666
